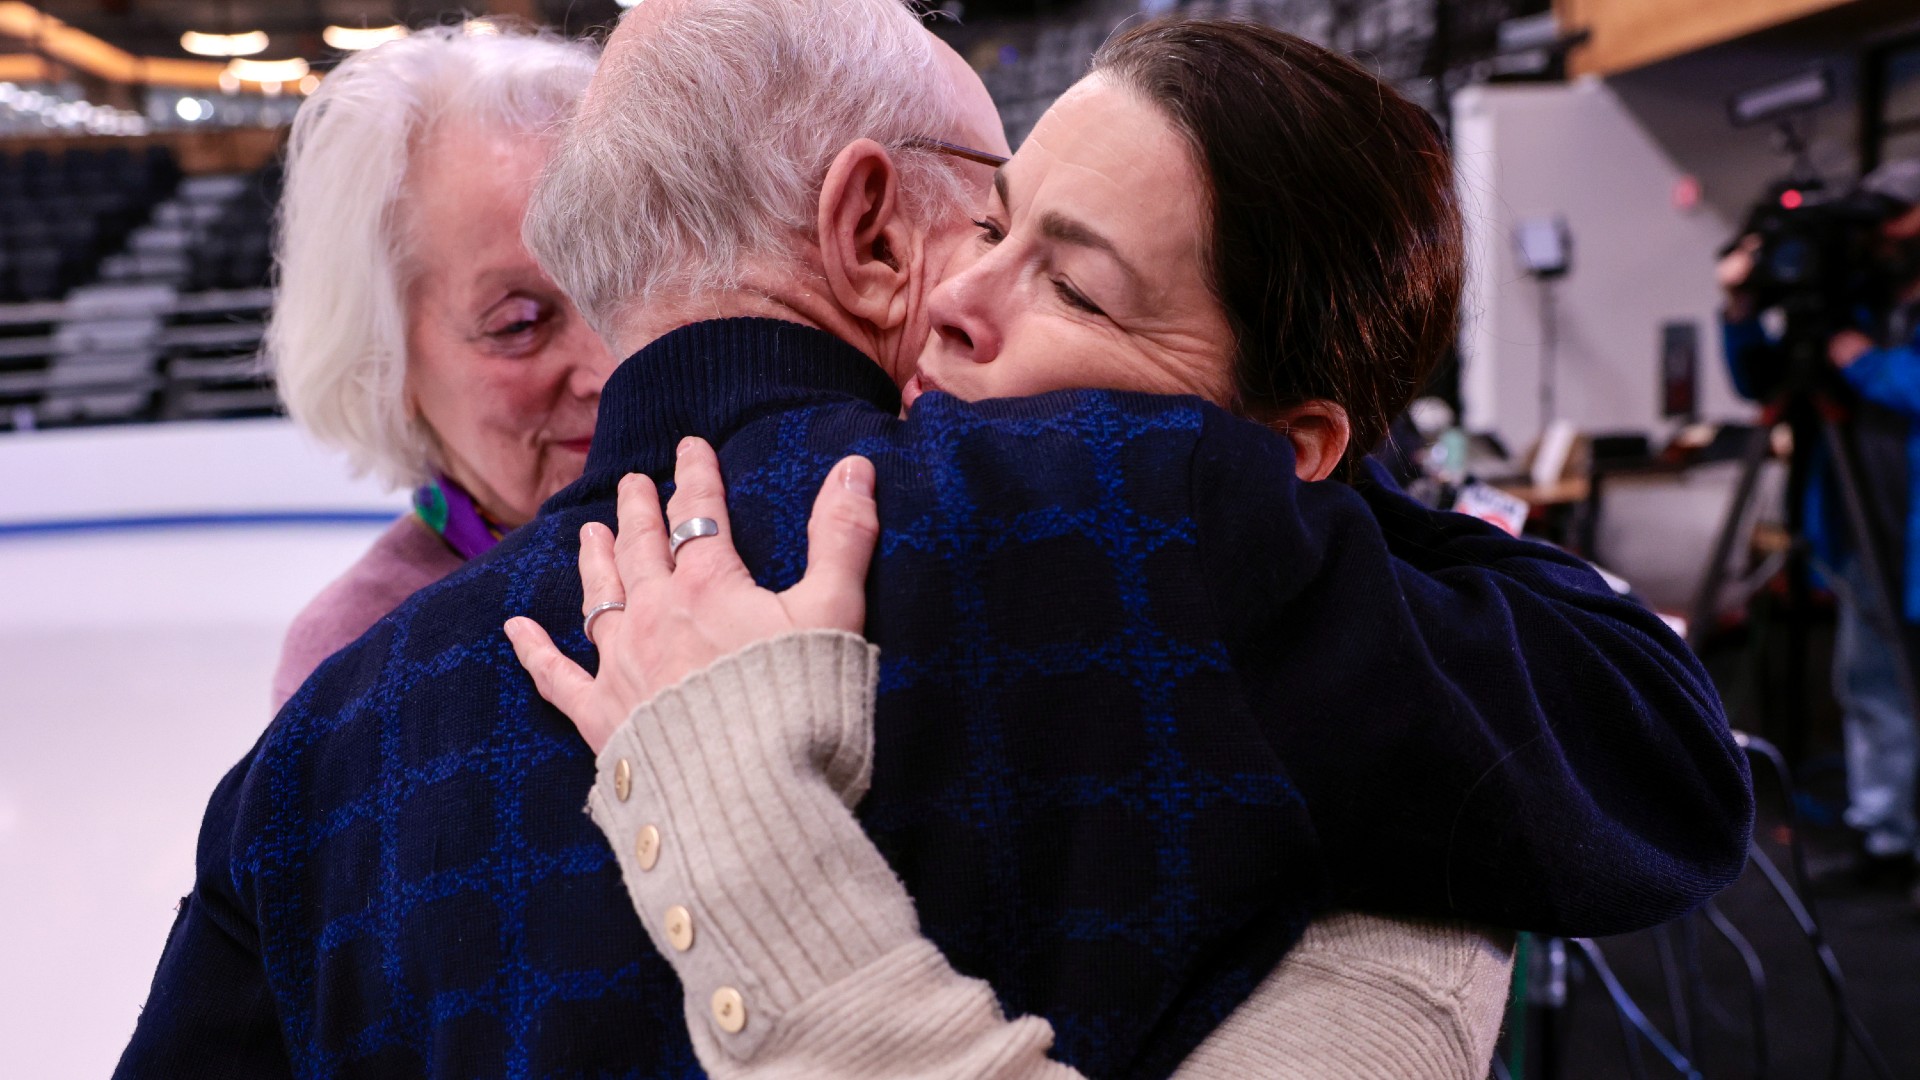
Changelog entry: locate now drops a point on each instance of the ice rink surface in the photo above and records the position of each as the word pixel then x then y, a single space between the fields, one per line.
pixel 146 578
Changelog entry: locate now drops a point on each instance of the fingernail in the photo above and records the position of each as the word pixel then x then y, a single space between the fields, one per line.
pixel 856 479
pixel 682 448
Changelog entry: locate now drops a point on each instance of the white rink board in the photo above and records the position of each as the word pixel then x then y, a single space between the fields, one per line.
pixel 134 668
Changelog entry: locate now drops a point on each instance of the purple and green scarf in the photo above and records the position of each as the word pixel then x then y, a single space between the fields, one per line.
pixel 448 510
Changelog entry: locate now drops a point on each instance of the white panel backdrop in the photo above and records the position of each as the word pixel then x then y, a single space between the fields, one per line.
pixel 1638 262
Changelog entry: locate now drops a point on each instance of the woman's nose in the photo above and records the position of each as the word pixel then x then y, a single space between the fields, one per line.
pixel 592 366
pixel 963 315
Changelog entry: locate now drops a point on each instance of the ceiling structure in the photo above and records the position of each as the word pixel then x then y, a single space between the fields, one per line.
pixel 293 27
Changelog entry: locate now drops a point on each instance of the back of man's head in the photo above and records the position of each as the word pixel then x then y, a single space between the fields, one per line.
pixel 698 154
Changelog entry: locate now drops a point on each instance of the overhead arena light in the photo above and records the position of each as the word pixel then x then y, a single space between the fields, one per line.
pixel 246 44
pixel 268 71
pixel 355 38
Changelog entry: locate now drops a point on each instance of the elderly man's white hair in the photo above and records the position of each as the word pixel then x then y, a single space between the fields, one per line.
pixel 703 144
pixel 337 341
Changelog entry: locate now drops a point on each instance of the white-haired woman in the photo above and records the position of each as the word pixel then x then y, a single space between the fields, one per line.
pixel 412 329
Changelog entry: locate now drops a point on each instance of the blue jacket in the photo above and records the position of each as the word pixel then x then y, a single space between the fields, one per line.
pixel 1148 704
pixel 1887 431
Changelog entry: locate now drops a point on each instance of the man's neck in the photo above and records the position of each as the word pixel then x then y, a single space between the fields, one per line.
pixel 798 297
pixel 703 378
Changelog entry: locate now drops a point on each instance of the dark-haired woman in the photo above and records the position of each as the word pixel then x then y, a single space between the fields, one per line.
pixel 1294 255
pixel 1218 209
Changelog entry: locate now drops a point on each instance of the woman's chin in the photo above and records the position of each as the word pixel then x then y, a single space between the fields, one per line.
pixel 558 475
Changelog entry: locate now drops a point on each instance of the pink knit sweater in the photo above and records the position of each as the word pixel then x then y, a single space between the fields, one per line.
pixel 408 557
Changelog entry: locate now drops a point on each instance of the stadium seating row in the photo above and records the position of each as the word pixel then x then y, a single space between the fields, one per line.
pixel 139 298
pixel 61 213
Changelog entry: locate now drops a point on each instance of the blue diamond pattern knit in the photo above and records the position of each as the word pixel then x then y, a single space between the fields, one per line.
pixel 1147 704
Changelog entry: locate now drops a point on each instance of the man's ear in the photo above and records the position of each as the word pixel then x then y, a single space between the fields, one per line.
pixel 866 246
pixel 1319 431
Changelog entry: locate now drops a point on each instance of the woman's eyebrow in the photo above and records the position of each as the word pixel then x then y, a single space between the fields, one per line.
pixel 1062 229
pixel 503 278
pixel 1058 227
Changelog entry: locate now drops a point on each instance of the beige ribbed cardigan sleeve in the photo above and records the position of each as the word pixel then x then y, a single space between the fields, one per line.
pixel 727 800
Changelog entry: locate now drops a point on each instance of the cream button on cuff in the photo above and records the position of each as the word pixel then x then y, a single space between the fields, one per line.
pixel 729 1010
pixel 679 925
pixel 622 779
pixel 646 847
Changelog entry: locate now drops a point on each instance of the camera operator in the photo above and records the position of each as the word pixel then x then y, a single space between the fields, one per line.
pixel 1880 360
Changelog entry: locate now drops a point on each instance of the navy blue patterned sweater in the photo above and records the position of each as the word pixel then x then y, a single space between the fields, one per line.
pixel 1148 703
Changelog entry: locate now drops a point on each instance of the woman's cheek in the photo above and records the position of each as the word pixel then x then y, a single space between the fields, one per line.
pixel 1069 358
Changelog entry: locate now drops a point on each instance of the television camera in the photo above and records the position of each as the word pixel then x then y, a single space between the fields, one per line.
pixel 1822 258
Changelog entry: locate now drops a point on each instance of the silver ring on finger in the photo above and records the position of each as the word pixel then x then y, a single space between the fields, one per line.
pixel 599 610
pixel 690 529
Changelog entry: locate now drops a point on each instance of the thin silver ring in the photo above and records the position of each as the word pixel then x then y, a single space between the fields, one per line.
pixel 599 610
pixel 690 529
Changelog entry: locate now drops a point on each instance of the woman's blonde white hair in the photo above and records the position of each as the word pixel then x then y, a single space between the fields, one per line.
pixel 337 340
pixel 702 149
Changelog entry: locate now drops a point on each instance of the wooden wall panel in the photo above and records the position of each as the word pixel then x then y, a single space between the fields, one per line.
pixel 530 10
pixel 224 150
pixel 1632 33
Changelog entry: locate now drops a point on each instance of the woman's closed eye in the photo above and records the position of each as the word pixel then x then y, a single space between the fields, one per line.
pixel 1075 298
pixel 991 233
pixel 516 324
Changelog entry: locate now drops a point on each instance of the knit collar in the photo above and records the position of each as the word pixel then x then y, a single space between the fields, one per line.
pixel 707 379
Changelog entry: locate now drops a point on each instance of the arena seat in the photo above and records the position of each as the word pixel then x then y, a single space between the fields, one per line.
pixel 128 292
pixel 60 214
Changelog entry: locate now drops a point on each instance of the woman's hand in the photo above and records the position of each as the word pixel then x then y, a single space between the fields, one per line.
pixel 684 614
pixel 1732 272
pixel 1848 346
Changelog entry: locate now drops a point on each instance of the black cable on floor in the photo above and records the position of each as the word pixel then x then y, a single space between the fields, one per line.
pixel 1755 746
pixel 1756 982
pixel 1702 1002
pixel 1632 1018
pixel 1676 993
pixel 1846 1021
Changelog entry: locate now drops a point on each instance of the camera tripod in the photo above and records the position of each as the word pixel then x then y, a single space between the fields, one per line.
pixel 1815 417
